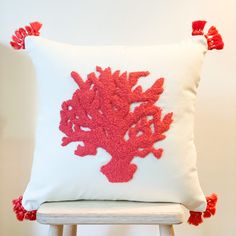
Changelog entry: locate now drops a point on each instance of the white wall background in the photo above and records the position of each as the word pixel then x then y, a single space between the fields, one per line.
pixel 121 22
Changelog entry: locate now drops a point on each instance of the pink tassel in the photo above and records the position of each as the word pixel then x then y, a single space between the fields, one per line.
pixel 214 39
pixel 20 211
pixel 196 217
pixel 18 40
pixel 198 27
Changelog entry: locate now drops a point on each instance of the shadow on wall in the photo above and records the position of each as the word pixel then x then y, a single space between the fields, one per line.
pixel 17 94
pixel 17 102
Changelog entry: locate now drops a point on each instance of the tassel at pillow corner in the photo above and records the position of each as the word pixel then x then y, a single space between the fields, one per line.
pixel 21 212
pixel 18 42
pixel 214 41
pixel 196 218
pixel 18 39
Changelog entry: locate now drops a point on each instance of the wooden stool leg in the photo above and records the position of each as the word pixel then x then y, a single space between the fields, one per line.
pixel 166 230
pixel 55 230
pixel 70 230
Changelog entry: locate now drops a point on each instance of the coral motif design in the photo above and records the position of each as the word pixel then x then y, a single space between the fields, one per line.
pixel 99 115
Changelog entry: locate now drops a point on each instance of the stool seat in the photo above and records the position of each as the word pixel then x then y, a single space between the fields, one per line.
pixel 109 212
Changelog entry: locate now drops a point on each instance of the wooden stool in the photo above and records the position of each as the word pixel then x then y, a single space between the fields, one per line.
pixel 73 213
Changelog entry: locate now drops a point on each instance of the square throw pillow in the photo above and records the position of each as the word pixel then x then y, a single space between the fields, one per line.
pixel 116 122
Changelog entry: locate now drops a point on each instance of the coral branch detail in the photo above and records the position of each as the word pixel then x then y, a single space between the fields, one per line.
pixel 196 218
pixel 18 40
pixel 20 211
pixel 99 115
pixel 214 39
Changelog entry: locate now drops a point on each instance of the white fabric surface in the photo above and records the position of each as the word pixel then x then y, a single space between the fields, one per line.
pixel 58 174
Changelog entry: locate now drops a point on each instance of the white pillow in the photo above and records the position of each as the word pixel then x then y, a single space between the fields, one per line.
pixel 102 109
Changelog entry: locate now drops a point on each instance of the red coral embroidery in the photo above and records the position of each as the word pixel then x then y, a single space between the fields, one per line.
pixel 18 40
pixel 20 211
pixel 99 115
pixel 195 217
pixel 214 39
